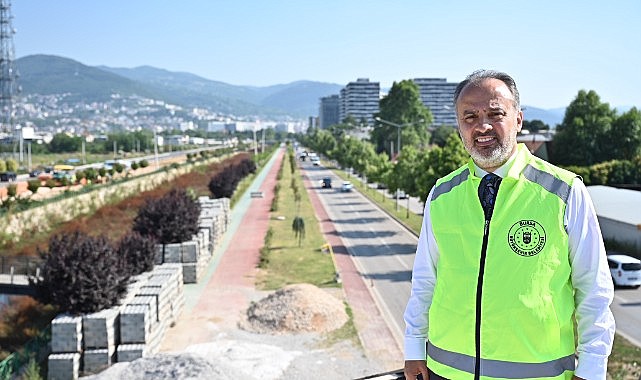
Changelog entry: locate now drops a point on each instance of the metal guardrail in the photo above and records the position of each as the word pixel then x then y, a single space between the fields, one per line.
pixel 15 272
pixel 13 265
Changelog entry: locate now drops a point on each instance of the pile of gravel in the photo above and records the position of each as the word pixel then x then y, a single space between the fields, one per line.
pixel 184 366
pixel 296 308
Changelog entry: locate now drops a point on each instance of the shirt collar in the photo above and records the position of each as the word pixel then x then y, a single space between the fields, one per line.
pixel 501 171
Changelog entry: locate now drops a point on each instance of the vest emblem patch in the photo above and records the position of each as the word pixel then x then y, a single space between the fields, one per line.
pixel 526 238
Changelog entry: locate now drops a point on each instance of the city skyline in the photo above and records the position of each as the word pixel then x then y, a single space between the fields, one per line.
pixel 552 49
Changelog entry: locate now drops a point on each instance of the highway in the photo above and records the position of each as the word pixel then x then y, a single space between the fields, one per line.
pixel 382 249
pixel 152 159
pixel 383 252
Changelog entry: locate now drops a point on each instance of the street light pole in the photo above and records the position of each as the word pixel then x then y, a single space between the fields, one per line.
pixel 398 133
pixel 398 144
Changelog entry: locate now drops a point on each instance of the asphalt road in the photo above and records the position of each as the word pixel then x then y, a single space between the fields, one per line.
pixel 383 252
pixel 626 308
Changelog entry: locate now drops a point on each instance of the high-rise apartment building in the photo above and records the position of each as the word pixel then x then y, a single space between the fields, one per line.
pixel 328 113
pixel 438 95
pixel 360 100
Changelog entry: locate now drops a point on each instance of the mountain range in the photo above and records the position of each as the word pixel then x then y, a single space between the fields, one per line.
pixel 49 74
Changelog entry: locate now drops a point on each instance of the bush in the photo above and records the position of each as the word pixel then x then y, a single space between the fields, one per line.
pixel 80 175
pixel 33 185
pixel 91 174
pixel 12 190
pixel 134 165
pixel 144 163
pixel 172 218
pixel 80 274
pixel 118 167
pixel 102 172
pixel 12 165
pixel 224 183
pixel 138 252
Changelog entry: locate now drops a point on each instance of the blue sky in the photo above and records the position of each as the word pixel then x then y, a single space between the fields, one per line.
pixel 553 48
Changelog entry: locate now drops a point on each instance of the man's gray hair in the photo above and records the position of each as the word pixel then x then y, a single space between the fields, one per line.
pixel 476 77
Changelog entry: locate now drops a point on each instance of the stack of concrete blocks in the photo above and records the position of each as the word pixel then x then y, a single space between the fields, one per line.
pixel 155 307
pixel 195 254
pixel 66 347
pixel 214 219
pixel 101 335
pixel 154 300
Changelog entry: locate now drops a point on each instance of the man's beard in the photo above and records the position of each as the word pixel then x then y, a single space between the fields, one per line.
pixel 493 158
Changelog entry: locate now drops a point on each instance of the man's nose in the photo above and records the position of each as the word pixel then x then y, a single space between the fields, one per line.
pixel 484 124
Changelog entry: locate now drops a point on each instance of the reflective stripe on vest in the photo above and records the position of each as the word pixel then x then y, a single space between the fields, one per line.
pixel 502 369
pixel 548 181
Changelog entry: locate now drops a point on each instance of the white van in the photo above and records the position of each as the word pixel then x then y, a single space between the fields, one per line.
pixel 625 270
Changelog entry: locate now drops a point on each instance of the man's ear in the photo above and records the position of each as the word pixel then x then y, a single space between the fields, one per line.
pixel 519 120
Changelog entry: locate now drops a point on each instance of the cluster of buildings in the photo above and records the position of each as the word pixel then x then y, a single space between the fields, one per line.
pixel 360 100
pixel 40 117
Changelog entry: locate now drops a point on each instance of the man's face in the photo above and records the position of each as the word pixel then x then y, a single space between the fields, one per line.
pixel 488 122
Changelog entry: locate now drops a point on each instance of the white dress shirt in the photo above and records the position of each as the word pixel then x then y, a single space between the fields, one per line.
pixel 590 277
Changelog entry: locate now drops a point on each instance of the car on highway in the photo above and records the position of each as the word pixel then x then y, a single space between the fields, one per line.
pixel 8 176
pixel 326 183
pixel 400 194
pixel 347 186
pixel 35 172
pixel 625 270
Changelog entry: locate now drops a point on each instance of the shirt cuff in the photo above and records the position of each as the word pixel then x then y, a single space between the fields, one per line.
pixel 415 348
pixel 591 366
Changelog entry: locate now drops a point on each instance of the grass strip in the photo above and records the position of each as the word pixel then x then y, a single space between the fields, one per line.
pixel 285 259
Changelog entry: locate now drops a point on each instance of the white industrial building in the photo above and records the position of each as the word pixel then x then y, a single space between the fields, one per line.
pixel 619 213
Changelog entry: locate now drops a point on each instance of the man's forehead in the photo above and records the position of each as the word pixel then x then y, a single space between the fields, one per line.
pixel 489 93
pixel 473 105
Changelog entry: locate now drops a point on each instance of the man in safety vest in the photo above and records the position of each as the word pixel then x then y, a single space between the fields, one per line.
pixel 510 254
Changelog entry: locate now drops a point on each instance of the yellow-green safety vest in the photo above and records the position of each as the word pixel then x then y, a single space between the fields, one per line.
pixel 506 312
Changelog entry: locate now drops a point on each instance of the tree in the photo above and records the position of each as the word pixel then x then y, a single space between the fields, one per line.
pixel 63 143
pixel 402 106
pixel 405 171
pixel 581 137
pixel 80 274
pixel 439 162
pixel 172 218
pixel 440 134
pixel 378 169
pixel 625 135
pixel 138 252
pixel 298 226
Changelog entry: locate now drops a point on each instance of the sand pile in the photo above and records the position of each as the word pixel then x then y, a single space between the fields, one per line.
pixel 296 308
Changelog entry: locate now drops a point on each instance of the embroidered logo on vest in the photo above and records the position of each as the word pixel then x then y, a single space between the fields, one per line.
pixel 526 237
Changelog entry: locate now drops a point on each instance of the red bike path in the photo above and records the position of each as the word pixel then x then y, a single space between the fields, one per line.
pixel 230 288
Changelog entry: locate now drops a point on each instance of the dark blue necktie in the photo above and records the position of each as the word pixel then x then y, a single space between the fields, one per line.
pixel 487 193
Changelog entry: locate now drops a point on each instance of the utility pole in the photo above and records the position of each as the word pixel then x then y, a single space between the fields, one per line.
pixel 8 73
